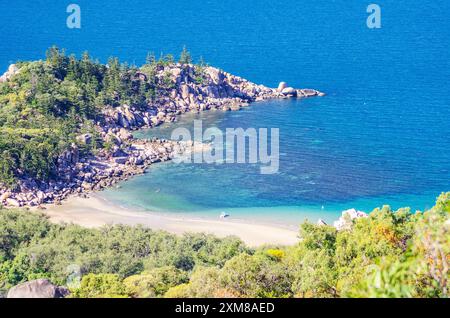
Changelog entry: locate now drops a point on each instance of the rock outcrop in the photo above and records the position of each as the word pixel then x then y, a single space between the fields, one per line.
pixel 347 218
pixel 281 86
pixel 289 91
pixel 94 173
pixel 40 288
pixel 12 70
pixel 217 90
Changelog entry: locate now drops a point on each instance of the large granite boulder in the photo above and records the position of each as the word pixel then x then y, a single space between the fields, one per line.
pixel 12 70
pixel 5 196
pixel 124 134
pixel 13 202
pixel 281 86
pixel 84 139
pixel 185 91
pixel 345 222
pixel 40 288
pixel 216 75
pixel 289 91
pixel 177 74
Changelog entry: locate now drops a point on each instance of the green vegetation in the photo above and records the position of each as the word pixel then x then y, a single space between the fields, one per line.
pixel 48 103
pixel 185 57
pixel 388 254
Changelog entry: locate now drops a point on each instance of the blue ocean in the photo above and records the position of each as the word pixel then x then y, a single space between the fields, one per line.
pixel 380 136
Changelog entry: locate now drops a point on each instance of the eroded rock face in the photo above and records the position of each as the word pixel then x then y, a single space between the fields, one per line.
pixel 40 288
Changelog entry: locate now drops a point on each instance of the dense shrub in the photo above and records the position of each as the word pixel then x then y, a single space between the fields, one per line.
pixel 388 254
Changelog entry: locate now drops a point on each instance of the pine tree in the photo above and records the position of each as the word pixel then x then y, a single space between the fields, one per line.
pixel 185 57
pixel 151 58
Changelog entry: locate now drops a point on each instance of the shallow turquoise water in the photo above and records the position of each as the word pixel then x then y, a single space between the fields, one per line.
pixel 321 173
pixel 381 135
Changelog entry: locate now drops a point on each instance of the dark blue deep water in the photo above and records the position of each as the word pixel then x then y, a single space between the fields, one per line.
pixel 380 136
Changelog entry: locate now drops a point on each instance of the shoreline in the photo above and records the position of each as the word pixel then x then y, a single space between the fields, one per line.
pixel 95 212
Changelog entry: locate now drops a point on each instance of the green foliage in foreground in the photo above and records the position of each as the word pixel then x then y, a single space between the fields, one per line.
pixel 388 254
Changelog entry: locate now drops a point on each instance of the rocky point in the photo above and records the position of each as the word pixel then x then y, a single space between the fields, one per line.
pixel 125 156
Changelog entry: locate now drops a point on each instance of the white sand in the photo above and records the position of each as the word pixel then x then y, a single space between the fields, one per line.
pixel 96 212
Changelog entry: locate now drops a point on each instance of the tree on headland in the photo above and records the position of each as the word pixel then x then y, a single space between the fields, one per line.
pixel 185 56
pixel 150 59
pixel 201 62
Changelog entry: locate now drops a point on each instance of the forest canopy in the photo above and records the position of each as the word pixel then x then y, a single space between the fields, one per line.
pixel 47 103
pixel 388 254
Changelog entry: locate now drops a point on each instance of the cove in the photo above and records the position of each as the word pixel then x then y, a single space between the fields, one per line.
pixel 324 168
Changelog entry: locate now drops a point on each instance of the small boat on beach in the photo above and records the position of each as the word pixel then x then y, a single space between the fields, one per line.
pixel 224 215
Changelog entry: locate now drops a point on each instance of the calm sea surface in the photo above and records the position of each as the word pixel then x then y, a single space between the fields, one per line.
pixel 380 136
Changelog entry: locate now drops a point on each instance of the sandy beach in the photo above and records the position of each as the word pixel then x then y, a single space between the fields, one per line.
pixel 96 212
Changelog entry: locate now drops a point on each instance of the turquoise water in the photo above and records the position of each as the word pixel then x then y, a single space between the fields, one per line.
pixel 380 136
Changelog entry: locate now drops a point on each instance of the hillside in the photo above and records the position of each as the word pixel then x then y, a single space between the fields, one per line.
pixel 387 254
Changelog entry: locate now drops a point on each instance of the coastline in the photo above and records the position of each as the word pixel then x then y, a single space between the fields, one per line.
pixel 183 88
pixel 95 212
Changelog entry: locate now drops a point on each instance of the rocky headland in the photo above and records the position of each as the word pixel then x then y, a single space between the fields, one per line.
pixel 125 156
